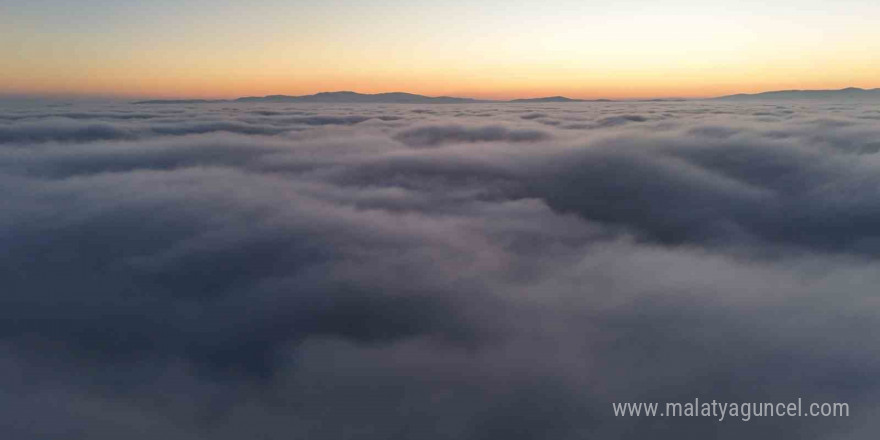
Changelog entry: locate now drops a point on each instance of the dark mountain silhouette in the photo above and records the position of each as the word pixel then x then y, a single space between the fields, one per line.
pixel 354 97
pixel 181 101
pixel 347 97
pixel 548 99
pixel 849 93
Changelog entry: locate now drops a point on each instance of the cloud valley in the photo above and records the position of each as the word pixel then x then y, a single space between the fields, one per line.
pixel 480 271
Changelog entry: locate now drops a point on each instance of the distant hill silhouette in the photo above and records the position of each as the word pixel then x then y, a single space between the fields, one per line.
pixel 354 97
pixel 849 93
pixel 181 101
pixel 347 97
pixel 547 99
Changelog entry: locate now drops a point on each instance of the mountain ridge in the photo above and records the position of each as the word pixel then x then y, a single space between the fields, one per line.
pixel 845 93
pixel 350 97
pixel 355 97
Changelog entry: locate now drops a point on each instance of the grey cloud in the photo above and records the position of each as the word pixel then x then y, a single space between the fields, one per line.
pixel 433 135
pixel 730 192
pixel 88 127
pixel 236 271
pixel 62 131
pixel 534 115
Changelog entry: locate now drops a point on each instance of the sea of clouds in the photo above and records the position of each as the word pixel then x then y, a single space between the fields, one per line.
pixel 481 271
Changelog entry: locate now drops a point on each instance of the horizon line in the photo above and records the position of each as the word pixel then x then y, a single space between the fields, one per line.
pixel 146 98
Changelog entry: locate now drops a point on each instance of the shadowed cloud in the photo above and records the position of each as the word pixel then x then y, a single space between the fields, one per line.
pixel 468 272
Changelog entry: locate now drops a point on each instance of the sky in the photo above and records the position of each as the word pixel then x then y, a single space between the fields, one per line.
pixel 488 49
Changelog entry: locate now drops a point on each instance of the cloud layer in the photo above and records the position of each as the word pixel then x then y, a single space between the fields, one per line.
pixel 497 271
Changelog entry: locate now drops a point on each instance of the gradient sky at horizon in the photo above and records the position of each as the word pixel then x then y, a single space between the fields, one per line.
pixel 490 49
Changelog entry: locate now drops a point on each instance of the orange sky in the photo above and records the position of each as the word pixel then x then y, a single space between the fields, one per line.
pixel 634 49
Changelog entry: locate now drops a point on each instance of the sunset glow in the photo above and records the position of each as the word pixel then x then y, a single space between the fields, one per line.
pixel 491 49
